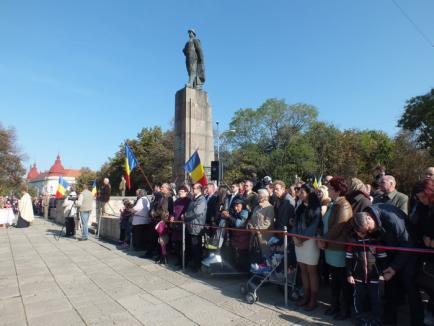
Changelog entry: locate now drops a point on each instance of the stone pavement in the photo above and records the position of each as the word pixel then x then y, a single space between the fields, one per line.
pixel 44 281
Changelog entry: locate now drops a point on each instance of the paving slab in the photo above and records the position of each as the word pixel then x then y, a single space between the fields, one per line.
pixel 47 281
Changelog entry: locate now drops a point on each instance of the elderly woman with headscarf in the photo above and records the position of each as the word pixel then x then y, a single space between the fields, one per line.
pixel 25 209
pixel 357 195
pixel 262 219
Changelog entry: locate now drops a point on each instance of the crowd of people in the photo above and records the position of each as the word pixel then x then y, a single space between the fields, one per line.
pixel 361 239
pixel 338 233
pixel 9 202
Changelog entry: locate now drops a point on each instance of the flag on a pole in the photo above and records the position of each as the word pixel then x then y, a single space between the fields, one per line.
pixel 61 188
pixel 94 188
pixel 315 184
pixel 130 164
pixel 195 168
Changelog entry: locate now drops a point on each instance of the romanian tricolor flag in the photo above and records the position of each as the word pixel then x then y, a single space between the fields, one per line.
pixel 130 164
pixel 61 188
pixel 94 188
pixel 195 168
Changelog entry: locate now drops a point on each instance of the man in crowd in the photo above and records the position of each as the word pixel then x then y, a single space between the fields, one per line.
pixel 250 197
pixel 284 206
pixel 210 190
pixel 84 203
pixel 46 204
pixel 235 194
pixel 391 195
pixel 390 222
pixel 195 217
pixel 104 197
pixel 122 186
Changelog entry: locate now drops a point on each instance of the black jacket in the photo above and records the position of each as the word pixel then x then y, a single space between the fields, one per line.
pixel 365 264
pixel 392 227
pixel 285 212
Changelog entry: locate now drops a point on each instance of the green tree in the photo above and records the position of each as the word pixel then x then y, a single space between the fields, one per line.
pixel 153 149
pixel 418 117
pixel 266 139
pixel 409 161
pixel 324 139
pixel 86 177
pixel 11 168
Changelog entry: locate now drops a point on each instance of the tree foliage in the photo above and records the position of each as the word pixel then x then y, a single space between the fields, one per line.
pixel 286 141
pixel 86 177
pixel 11 168
pixel 418 117
pixel 153 149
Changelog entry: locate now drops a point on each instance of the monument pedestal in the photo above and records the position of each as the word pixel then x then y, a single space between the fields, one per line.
pixel 193 130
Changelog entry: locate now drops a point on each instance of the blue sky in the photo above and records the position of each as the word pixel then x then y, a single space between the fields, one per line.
pixel 79 77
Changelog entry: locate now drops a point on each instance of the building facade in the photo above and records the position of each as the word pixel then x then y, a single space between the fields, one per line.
pixel 47 182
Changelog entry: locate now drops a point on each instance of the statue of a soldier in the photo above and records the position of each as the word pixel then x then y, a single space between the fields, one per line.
pixel 194 61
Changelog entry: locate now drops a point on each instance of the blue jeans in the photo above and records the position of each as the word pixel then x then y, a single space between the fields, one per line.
pixel 84 216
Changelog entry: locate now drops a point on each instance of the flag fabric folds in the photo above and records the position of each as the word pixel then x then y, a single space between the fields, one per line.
pixel 130 164
pixel 195 168
pixel 61 188
pixel 315 184
pixel 94 188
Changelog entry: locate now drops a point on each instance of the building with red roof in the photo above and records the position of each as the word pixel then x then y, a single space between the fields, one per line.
pixel 48 181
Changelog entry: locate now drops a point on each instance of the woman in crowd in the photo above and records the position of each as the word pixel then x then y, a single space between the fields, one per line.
pixel 423 218
pixel 141 222
pixel 307 222
pixel 335 228
pixel 358 196
pixel 323 195
pixel 262 219
pixel 179 208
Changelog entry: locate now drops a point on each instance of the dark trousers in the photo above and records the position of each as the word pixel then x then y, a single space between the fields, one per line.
pixel 194 249
pixel 339 285
pixel 372 291
pixel 144 237
pixel 22 223
pixel 404 280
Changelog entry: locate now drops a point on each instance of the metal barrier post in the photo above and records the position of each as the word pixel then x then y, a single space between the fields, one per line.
pixel 183 246
pixel 285 263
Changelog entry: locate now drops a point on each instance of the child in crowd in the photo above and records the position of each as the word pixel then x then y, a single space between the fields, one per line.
pixel 125 221
pixel 364 265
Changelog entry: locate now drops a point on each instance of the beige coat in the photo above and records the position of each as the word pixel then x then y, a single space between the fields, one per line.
pixel 262 219
pixel 26 208
pixel 338 223
pixel 85 201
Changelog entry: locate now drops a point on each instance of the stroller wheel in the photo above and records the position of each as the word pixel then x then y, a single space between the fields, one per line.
pixel 251 298
pixel 243 289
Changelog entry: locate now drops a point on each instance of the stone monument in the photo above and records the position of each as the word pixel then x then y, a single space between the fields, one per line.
pixel 193 114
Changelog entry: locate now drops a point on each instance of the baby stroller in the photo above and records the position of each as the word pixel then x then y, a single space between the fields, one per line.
pixel 271 272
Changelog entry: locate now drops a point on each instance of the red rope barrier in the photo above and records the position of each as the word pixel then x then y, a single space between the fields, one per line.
pixel 390 248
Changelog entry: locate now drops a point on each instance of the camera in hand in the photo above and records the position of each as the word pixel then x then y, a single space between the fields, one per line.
pixel 72 197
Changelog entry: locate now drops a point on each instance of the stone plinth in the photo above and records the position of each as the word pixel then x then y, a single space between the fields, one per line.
pixel 193 130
